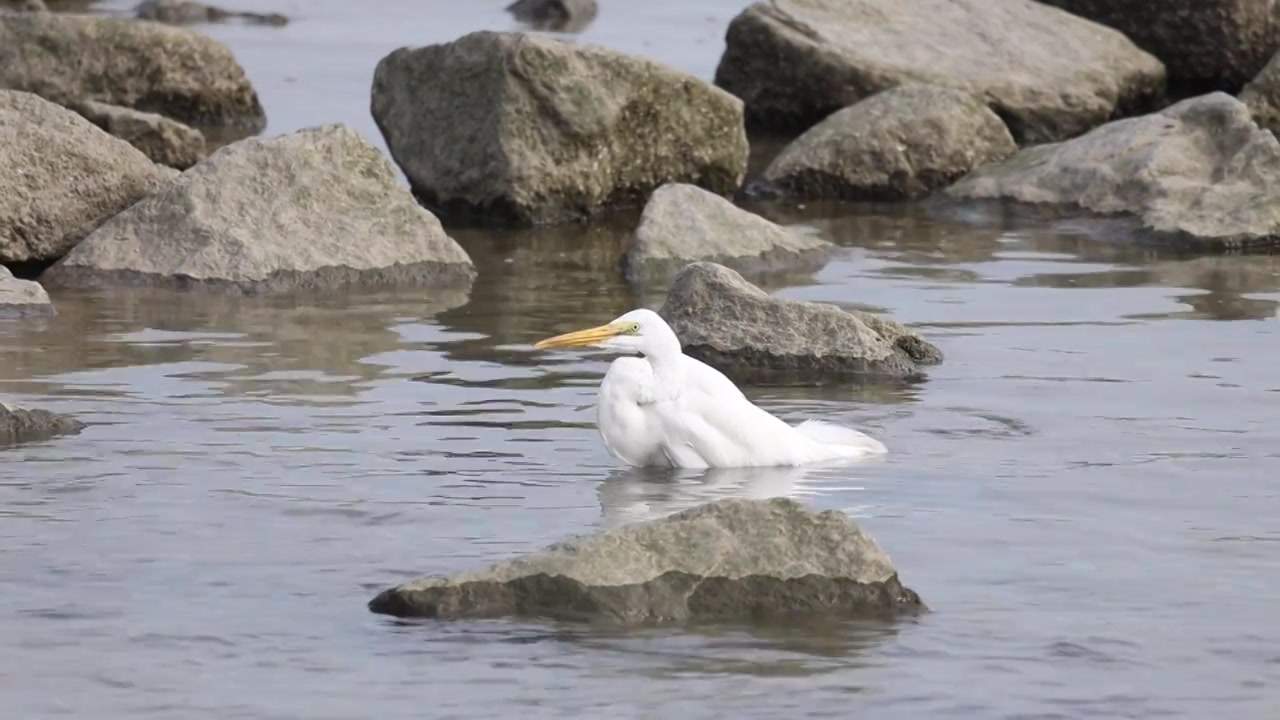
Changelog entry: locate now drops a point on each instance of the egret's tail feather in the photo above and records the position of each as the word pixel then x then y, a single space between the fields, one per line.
pixel 857 442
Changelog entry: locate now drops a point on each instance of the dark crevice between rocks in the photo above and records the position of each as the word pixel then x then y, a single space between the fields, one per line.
pixel 29 269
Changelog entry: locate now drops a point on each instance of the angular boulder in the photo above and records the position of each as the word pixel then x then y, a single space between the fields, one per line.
pixel 164 141
pixel 316 209
pixel 524 129
pixel 1262 96
pixel 682 223
pixel 60 176
pixel 1049 74
pixel 729 560
pixel 21 425
pixel 749 335
pixel 1205 44
pixel 141 65
pixel 1199 173
pixel 899 144
pixel 22 298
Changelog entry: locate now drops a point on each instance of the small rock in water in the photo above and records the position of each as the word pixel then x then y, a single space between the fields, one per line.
pixel 682 223
pixel 185 12
pixel 1200 172
pixel 164 141
pixel 729 560
pixel 317 209
pixel 555 15
pixel 899 144
pixel 22 298
pixel 524 129
pixel 1262 96
pixel 749 335
pixel 20 425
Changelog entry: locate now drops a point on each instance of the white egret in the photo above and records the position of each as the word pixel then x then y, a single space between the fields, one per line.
pixel 672 410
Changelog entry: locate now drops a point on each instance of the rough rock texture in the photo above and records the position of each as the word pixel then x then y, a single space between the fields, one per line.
pixel 733 559
pixel 20 425
pixel 60 176
pixel 186 12
pixel 33 6
pixel 899 144
pixel 1262 96
pixel 22 298
pixel 1049 74
pixel 164 141
pixel 555 15
pixel 749 335
pixel 1204 44
pixel 1200 172
pixel 682 223
pixel 315 209
pixel 145 66
pixel 526 129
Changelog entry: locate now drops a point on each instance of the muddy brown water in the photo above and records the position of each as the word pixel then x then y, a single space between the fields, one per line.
pixel 1085 492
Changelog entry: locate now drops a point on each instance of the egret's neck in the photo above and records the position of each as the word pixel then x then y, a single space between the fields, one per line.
pixel 665 356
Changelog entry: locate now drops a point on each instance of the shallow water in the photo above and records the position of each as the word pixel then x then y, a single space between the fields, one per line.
pixel 1084 492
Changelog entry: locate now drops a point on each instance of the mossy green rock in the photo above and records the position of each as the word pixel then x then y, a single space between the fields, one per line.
pixel 523 129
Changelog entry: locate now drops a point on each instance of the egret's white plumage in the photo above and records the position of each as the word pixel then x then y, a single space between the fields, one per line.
pixel 670 409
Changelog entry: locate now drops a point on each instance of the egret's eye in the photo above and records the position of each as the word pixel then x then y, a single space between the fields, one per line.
pixel 633 328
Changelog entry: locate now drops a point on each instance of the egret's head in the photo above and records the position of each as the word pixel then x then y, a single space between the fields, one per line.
pixel 637 331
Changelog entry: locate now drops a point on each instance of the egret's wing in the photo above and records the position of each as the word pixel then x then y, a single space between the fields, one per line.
pixel 627 424
pixel 712 424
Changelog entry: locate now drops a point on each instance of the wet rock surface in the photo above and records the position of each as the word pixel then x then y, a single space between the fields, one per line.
pixel 164 141
pixel 749 335
pixel 1200 172
pixel 316 209
pixel 521 129
pixel 1049 74
pixel 732 559
pixel 23 425
pixel 186 12
pixel 555 15
pixel 22 298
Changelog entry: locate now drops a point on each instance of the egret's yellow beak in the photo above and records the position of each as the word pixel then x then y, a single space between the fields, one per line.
pixel 580 338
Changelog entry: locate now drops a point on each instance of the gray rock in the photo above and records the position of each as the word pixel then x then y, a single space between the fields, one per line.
pixel 1262 96
pixel 20 425
pixel 525 129
pixel 22 298
pixel 187 12
pixel 733 559
pixel 316 209
pixel 1205 44
pixel 1200 172
pixel 682 223
pixel 145 66
pixel 164 141
pixel 33 6
pixel 555 15
pixel 1049 74
pixel 60 176
pixel 899 144
pixel 734 326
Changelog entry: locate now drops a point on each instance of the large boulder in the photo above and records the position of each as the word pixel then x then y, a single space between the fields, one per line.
pixel 145 66
pixel 1200 172
pixel 1262 96
pixel 751 336
pixel 315 209
pixel 733 559
pixel 60 176
pixel 1048 73
pixel 1204 44
pixel 682 223
pixel 22 298
pixel 525 129
pixel 899 144
pixel 164 141
pixel 22 425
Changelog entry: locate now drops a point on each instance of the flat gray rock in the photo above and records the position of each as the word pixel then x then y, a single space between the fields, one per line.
pixel 317 209
pixel 682 223
pixel 749 335
pixel 164 141
pixel 523 129
pixel 188 12
pixel 1200 173
pixel 729 560
pixel 22 425
pixel 899 144
pixel 1049 74
pixel 22 298
pixel 1262 96
pixel 146 66
pixel 60 176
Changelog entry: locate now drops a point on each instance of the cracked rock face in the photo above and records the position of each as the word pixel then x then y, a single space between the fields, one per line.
pixel 731 559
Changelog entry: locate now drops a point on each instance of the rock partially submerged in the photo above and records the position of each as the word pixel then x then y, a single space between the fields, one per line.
pixel 749 335
pixel 525 129
pixel 20 425
pixel 60 176
pixel 1200 172
pixel 1049 74
pixel 899 144
pixel 682 223
pixel 187 12
pixel 164 141
pixel 315 209
pixel 145 66
pixel 22 298
pixel 729 560
pixel 555 15
pixel 1262 96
